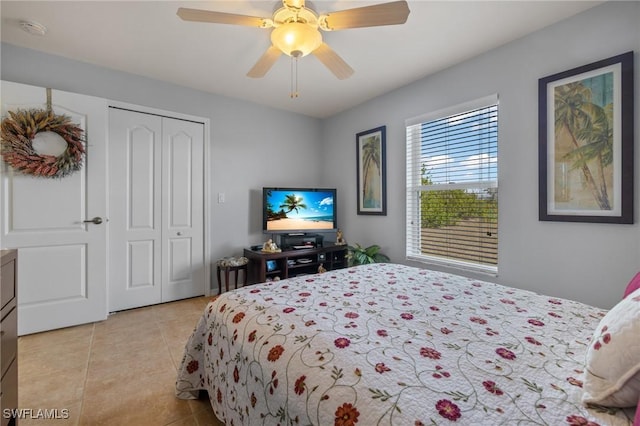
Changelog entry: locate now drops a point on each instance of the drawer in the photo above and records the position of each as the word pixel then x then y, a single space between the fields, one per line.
pixel 7 283
pixel 8 339
pixel 9 398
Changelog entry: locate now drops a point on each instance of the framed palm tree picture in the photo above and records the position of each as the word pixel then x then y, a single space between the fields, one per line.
pixel 372 182
pixel 585 131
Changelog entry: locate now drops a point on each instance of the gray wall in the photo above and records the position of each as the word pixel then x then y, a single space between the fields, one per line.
pixel 251 146
pixel 588 262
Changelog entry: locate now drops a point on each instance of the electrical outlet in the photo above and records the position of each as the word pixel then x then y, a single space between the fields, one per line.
pixel 220 197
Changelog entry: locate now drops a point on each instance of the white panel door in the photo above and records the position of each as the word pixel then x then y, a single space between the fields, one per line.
pixel 135 203
pixel 156 205
pixel 62 266
pixel 183 215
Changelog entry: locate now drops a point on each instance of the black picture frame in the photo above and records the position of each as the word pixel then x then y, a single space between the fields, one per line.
pixel 372 171
pixel 585 149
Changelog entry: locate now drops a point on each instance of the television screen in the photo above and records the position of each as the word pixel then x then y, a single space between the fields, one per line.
pixel 289 210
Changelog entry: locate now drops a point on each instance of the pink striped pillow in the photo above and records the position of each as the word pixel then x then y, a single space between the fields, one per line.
pixel 633 285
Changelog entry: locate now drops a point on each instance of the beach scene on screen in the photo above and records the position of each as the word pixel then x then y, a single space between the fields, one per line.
pixel 299 210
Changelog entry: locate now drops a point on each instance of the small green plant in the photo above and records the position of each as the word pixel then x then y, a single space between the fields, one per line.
pixel 359 255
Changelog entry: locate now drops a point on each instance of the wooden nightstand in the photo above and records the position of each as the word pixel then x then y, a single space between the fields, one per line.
pixel 235 266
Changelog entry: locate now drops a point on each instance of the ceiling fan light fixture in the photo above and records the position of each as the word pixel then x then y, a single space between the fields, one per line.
pixel 296 38
pixel 296 32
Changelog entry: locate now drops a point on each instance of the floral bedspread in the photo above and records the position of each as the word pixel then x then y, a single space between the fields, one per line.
pixel 392 345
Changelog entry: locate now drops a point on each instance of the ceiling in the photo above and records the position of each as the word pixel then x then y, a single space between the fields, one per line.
pixel 148 39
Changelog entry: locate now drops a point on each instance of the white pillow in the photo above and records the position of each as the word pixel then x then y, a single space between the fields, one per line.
pixel 612 373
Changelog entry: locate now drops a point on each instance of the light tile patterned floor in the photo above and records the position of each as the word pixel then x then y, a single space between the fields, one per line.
pixel 115 372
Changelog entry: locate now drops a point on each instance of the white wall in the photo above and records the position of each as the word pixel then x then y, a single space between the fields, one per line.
pixel 588 262
pixel 251 146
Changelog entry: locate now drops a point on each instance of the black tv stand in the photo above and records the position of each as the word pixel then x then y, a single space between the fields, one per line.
pixel 264 266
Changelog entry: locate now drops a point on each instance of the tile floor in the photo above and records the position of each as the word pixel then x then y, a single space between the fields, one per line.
pixel 120 371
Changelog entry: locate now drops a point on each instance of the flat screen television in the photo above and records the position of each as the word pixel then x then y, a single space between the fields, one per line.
pixel 298 210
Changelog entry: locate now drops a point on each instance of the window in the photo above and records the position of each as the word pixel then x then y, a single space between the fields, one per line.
pixel 452 186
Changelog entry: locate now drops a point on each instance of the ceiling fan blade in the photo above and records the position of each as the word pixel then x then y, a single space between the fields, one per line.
pixel 368 16
pixel 199 15
pixel 333 61
pixel 265 63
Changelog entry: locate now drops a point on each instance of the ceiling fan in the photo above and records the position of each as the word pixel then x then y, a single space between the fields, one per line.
pixel 296 30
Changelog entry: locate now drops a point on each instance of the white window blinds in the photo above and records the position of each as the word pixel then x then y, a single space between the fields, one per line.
pixel 452 186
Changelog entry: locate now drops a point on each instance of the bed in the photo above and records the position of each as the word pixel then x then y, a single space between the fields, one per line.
pixel 389 344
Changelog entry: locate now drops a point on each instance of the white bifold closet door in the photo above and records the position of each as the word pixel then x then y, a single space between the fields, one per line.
pixel 156 202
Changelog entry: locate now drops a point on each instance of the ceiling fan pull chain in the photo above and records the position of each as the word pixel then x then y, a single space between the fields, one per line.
pixel 291 77
pixel 294 77
pixel 296 69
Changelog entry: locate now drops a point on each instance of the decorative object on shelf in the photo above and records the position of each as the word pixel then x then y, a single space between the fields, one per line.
pixel 585 131
pixel 372 171
pixel 321 268
pixel 340 241
pixel 233 261
pixel 23 129
pixel 270 247
pixel 359 255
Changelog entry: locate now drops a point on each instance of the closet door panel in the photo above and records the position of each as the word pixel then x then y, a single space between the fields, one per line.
pixel 140 175
pixel 135 231
pixel 180 180
pixel 183 205
pixel 157 201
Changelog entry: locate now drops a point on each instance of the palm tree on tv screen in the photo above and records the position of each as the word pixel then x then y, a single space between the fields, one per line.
pixel 292 202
